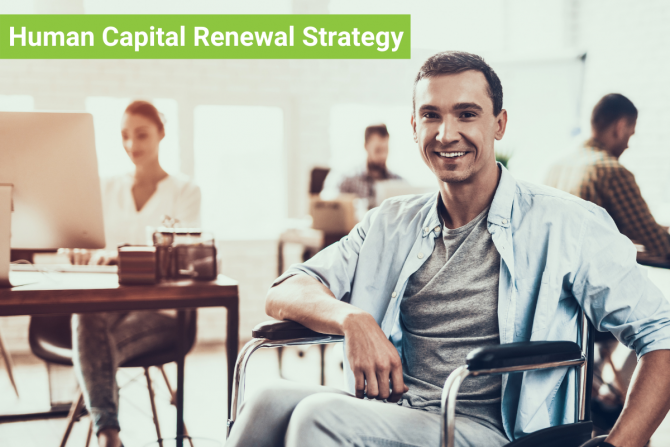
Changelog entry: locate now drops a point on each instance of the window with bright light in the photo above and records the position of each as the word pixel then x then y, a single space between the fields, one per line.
pixel 347 138
pixel 112 159
pixel 239 165
pixel 17 103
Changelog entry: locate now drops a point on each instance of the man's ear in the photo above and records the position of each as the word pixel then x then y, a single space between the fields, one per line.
pixel 619 127
pixel 501 124
pixel 413 124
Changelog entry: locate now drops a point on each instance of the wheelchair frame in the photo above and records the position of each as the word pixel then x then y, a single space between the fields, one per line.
pixel 501 359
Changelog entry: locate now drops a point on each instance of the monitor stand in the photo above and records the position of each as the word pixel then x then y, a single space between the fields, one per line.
pixel 5 232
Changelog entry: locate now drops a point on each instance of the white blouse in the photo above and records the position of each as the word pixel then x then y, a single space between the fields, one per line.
pixel 176 196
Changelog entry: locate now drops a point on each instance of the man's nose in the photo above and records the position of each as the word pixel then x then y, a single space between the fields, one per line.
pixel 448 131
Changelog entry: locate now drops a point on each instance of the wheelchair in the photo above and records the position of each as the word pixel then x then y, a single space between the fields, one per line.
pixel 505 358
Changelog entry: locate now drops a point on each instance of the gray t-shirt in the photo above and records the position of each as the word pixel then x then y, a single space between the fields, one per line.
pixel 449 308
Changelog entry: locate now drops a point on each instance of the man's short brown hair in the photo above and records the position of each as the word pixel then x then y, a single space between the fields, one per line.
pixel 454 62
pixel 377 129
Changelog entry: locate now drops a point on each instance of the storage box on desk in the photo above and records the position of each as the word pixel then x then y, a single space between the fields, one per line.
pixel 333 216
pixel 137 264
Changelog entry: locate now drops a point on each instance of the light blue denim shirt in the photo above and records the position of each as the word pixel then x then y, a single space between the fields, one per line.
pixel 558 253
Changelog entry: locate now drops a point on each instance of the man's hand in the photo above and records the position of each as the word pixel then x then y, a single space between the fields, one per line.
pixel 373 358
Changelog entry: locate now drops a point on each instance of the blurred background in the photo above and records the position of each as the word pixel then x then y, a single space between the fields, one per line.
pixel 251 131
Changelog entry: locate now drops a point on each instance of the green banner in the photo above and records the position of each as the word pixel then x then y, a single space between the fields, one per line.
pixel 298 36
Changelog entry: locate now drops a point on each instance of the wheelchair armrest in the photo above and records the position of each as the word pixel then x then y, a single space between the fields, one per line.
pixel 265 335
pixel 283 330
pixel 523 355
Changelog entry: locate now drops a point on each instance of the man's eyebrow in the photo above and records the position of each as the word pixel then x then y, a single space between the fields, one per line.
pixel 468 106
pixel 428 107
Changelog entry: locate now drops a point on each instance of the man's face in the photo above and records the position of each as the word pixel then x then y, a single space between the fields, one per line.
pixel 624 129
pixel 377 148
pixel 454 125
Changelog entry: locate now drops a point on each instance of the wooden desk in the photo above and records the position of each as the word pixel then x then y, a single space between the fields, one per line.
pixel 65 293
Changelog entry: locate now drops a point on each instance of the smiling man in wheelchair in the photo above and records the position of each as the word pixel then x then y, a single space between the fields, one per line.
pixel 489 270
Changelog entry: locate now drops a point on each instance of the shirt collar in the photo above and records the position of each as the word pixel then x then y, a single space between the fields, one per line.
pixel 592 143
pixel 432 220
pixel 594 146
pixel 500 212
pixel 501 207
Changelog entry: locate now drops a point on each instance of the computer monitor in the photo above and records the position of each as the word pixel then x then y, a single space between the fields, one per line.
pixel 49 167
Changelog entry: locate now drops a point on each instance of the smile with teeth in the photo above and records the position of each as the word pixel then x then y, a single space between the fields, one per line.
pixel 451 154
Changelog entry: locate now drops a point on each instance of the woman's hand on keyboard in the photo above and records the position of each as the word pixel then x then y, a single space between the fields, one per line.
pixel 77 256
pixel 104 257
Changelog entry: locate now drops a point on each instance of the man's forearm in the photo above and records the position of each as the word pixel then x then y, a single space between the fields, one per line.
pixel 374 361
pixel 305 300
pixel 647 403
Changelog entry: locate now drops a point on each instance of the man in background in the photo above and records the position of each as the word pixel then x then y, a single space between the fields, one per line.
pixel 595 174
pixel 361 182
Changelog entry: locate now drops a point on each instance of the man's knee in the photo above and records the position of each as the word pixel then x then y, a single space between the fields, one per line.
pixel 318 420
pixel 265 414
pixel 272 399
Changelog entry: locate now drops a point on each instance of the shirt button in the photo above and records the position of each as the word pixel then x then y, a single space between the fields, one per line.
pixel 437 230
pixel 393 295
pixel 504 221
pixel 420 256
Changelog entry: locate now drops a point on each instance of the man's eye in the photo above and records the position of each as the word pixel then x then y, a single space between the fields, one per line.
pixel 430 115
pixel 468 115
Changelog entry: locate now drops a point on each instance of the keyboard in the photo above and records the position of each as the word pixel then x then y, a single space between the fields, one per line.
pixel 64 268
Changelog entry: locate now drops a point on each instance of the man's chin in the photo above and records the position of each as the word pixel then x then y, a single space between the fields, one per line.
pixel 454 176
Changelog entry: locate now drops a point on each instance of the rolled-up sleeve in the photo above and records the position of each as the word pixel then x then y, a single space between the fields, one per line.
pixel 614 290
pixel 335 265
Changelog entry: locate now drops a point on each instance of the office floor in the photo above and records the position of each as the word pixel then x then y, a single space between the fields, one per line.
pixel 205 410
pixel 205 407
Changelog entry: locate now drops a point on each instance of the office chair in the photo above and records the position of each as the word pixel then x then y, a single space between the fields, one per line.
pixel 50 339
pixel 6 356
pixel 506 358
pixel 317 178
